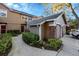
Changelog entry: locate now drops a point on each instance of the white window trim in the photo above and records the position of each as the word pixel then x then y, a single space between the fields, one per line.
pixel 4 12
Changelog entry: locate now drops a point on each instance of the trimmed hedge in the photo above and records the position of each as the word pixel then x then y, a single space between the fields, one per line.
pixel 14 32
pixel 5 43
pixel 31 39
pixel 53 44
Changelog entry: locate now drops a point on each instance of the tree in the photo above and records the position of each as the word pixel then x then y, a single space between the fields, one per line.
pixel 56 7
pixel 73 24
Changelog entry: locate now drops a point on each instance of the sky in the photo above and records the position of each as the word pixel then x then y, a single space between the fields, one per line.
pixel 31 8
pixel 39 10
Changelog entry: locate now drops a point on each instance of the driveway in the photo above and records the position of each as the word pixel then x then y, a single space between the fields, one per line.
pixel 70 48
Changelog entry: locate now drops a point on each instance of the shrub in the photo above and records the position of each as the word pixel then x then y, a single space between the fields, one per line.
pixel 5 43
pixel 30 38
pixel 33 40
pixel 54 43
pixel 14 32
pixel 38 44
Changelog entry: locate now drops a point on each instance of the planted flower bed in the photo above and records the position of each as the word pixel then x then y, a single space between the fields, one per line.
pixel 5 44
pixel 53 44
pixel 33 40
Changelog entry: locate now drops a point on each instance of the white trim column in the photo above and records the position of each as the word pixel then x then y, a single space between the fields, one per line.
pixel 27 21
pixel 40 32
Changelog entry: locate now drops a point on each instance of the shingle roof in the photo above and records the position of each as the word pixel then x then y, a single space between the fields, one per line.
pixel 16 11
pixel 23 13
pixel 38 21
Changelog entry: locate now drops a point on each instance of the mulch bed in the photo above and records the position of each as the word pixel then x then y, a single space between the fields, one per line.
pixel 50 48
pixel 45 47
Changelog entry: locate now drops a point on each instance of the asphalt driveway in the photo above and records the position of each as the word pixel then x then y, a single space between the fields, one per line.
pixel 70 48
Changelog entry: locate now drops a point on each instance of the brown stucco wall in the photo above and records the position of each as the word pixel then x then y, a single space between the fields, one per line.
pixel 13 20
pixel 45 25
pixel 46 31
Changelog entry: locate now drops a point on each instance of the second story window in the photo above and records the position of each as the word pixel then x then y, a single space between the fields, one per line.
pixel 24 17
pixel 3 13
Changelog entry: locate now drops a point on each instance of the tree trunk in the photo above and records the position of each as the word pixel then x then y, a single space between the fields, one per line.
pixel 76 16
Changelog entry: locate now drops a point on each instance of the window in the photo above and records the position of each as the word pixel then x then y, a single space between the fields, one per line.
pixel 3 13
pixel 3 28
pixel 24 17
pixel 30 18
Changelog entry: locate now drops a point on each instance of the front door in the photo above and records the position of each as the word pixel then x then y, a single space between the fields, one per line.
pixel 22 28
pixel 51 31
pixel 3 29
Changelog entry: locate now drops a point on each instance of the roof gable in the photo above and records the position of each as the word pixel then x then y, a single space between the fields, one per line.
pixel 16 11
pixel 44 19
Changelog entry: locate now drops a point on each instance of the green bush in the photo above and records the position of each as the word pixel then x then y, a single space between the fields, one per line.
pixel 54 43
pixel 30 38
pixel 5 43
pixel 33 40
pixel 14 32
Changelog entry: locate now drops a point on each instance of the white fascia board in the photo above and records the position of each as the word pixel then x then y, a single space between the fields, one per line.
pixel 50 20
pixel 46 20
pixel 42 22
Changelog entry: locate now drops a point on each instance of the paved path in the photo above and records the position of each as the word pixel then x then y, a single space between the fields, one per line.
pixel 71 47
pixel 22 49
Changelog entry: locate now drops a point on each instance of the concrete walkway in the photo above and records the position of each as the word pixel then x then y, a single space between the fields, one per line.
pixel 70 48
pixel 22 49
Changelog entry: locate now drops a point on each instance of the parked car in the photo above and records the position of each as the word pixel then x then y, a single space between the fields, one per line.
pixel 75 33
